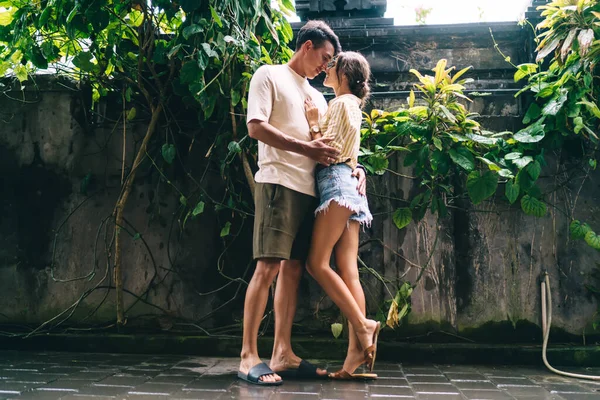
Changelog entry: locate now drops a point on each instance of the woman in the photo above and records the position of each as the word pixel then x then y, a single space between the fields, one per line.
pixel 342 210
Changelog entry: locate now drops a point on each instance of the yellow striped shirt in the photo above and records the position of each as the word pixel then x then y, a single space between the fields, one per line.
pixel 342 124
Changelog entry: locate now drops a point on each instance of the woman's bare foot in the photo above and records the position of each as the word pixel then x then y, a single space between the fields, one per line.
pixel 366 333
pixel 354 359
pixel 247 363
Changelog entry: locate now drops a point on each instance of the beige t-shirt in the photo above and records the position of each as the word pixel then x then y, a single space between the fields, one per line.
pixel 277 96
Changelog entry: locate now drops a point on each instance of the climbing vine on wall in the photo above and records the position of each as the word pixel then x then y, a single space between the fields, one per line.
pixel 155 58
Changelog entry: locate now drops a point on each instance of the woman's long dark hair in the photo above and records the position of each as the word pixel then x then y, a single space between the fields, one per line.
pixel 357 70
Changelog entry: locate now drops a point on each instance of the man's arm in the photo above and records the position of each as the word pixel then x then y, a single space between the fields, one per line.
pixel 317 150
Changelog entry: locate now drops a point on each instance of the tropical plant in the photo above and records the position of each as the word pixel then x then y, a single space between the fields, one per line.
pixel 449 151
pixel 451 154
pixel 566 95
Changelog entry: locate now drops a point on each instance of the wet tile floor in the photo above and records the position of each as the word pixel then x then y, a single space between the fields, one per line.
pixel 95 376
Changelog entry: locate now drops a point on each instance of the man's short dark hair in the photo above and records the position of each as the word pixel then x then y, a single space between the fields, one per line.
pixel 318 32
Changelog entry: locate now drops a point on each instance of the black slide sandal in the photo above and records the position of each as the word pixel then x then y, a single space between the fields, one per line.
pixel 256 372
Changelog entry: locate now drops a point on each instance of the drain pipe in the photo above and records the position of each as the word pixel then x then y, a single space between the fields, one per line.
pixel 546 322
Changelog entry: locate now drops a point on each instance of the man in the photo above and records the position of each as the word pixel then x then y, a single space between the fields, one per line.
pixel 285 197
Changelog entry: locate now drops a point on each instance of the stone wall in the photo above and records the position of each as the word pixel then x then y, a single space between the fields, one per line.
pixel 482 264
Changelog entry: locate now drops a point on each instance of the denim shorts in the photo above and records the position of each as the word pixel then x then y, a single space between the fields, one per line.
pixel 336 183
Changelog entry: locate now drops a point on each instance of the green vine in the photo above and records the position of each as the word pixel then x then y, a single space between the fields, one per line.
pixel 161 62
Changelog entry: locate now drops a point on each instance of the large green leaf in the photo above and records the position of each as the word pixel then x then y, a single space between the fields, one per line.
pixel 593 108
pixel 191 30
pixel 402 217
pixel 532 206
pixel 481 139
pixel 83 61
pixel 524 70
pixel 440 162
pixel 463 157
pixel 199 209
pixel 578 230
pixel 523 161
pixel 532 113
pixel 336 329
pixel 593 240
pixel 234 147
pixel 513 156
pixel 534 169
pixel 226 228
pixel 378 163
pixel 491 165
pixel 190 72
pixel 480 187
pixel 37 58
pixel 531 134
pixel 556 103
pixel 20 72
pixel 523 180
pixel 131 114
pixel 512 191
pixel 168 152
pixel 6 16
pixel 209 51
pixel 207 103
pixel 216 17
pixel 50 51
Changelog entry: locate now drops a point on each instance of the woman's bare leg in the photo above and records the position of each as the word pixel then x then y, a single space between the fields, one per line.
pixel 328 229
pixel 346 255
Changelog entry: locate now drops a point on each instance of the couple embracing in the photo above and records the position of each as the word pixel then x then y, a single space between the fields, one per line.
pixel 310 201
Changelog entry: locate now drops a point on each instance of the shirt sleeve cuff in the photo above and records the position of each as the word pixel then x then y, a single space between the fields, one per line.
pixel 361 167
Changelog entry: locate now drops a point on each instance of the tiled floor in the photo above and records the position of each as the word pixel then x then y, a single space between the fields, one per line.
pixel 86 376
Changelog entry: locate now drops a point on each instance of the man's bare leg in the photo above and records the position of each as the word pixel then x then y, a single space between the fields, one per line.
pixel 257 295
pixel 286 300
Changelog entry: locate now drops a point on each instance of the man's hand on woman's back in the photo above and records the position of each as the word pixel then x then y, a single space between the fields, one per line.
pixel 320 151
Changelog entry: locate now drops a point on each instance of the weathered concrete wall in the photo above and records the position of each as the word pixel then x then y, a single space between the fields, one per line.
pixel 55 238
pixel 481 277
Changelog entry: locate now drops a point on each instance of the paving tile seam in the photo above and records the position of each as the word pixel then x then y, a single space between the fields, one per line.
pixel 510 385
pixel 21 370
pixel 440 393
pixel 431 383
pixel 117 386
pixel 391 386
pixel 505 377
pixel 555 392
pixel 149 393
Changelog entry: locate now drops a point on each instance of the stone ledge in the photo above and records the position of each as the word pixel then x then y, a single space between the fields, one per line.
pixel 439 353
pixel 460 30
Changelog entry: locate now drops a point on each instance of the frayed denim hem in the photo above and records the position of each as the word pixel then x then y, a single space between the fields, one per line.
pixel 364 221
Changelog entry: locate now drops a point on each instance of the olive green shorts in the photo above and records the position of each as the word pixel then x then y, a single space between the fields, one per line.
pixel 283 222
